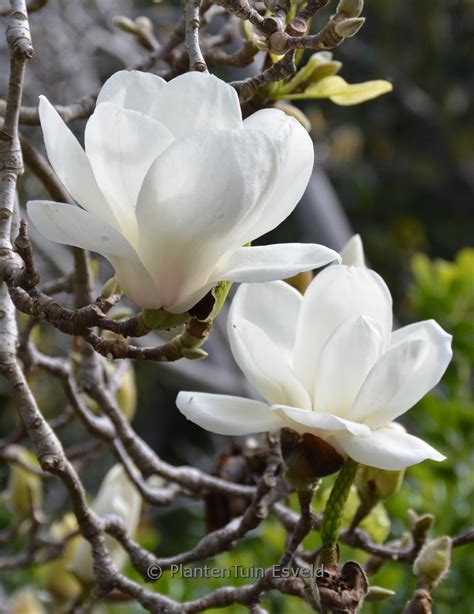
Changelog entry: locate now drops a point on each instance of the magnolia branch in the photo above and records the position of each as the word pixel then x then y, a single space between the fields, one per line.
pixel 32 7
pixel 29 116
pixel 212 544
pixel 191 15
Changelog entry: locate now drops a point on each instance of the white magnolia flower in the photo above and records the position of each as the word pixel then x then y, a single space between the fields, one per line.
pixel 118 496
pixel 328 363
pixel 172 184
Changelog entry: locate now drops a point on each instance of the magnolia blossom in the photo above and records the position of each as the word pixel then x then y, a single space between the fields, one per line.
pixel 328 363
pixel 118 496
pixel 172 183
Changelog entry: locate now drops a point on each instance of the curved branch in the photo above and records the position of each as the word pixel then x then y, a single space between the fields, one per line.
pixel 32 7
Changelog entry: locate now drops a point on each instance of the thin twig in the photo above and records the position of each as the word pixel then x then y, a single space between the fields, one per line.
pixel 32 7
pixel 191 40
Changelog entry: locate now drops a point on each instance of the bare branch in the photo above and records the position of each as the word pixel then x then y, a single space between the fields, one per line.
pixel 280 70
pixel 32 7
pixel 81 109
pixel 191 15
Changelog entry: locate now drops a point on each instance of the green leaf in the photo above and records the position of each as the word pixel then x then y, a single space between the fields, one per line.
pixel 342 93
pixel 319 66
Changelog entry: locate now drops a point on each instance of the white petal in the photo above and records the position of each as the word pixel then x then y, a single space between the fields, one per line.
pixel 71 225
pixel 136 281
pixel 375 402
pixel 263 364
pixel 353 252
pixel 388 448
pixel 404 374
pixel 273 307
pixel 227 415
pixel 296 152
pixel 187 300
pixel 118 495
pixel 427 330
pixel 304 419
pixel 196 101
pixel 337 294
pixel 344 362
pixel 131 89
pixel 71 164
pixel 121 145
pixel 193 201
pixel 272 262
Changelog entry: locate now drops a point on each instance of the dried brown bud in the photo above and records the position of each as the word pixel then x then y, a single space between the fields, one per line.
pixel 308 457
pixel 420 604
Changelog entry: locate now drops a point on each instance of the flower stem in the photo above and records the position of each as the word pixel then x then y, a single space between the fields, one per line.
pixel 332 517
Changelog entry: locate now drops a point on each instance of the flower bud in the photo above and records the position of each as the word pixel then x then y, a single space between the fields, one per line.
pixel 375 484
pixel 349 27
pixel 126 394
pixel 109 288
pixel 420 525
pixel 118 496
pixel 432 563
pixel 125 23
pixel 378 593
pixel 350 8
pixel 307 458
pixel 144 24
pixel 25 489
